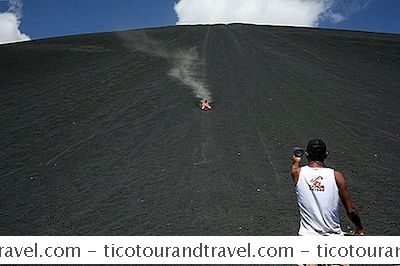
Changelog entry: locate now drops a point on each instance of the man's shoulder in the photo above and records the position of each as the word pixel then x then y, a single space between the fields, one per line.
pixel 337 172
pixel 339 178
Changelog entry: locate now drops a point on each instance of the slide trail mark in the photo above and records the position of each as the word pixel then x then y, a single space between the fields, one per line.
pixel 69 149
pixel 277 176
pixel 203 150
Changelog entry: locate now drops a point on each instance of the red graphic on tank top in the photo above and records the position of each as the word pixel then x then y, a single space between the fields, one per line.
pixel 316 184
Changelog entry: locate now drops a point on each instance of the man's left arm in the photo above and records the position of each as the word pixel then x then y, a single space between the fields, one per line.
pixel 350 208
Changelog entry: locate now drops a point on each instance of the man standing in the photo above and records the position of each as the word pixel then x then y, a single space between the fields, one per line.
pixel 319 190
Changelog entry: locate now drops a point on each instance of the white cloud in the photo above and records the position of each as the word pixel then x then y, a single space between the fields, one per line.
pixel 306 13
pixel 10 22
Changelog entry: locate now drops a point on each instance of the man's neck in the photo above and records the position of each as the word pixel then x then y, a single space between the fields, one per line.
pixel 316 164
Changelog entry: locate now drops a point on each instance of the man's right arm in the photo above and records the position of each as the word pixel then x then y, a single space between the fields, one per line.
pixel 295 169
pixel 348 203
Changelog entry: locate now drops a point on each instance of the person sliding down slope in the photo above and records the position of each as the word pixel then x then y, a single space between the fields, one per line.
pixel 205 106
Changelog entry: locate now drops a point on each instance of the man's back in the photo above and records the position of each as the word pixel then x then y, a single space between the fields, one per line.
pixel 318 201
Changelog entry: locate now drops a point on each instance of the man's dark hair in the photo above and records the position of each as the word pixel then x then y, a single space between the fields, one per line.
pixel 316 150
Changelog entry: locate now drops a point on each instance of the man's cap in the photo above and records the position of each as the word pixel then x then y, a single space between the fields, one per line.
pixel 316 148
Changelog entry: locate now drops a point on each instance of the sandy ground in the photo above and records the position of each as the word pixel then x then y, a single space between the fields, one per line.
pixel 100 134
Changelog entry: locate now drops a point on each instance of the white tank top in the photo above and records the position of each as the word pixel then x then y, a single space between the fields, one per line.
pixel 318 201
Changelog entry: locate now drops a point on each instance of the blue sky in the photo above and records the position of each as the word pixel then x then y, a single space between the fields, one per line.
pixel 50 18
pixel 378 16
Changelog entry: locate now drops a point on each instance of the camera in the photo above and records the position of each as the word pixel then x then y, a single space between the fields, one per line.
pixel 298 152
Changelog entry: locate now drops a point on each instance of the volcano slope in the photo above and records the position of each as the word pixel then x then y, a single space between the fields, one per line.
pixel 101 134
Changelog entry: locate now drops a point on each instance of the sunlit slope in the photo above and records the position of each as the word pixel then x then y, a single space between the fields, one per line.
pixel 101 134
